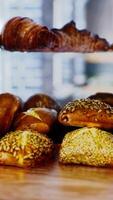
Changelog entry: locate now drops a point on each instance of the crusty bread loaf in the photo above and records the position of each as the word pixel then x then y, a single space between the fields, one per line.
pixel 41 100
pixel 88 146
pixel 25 149
pixel 87 112
pixel 103 96
pixel 23 34
pixel 38 119
pixel 10 106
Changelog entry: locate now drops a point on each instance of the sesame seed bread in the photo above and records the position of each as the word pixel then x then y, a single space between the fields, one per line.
pixel 87 112
pixel 25 149
pixel 87 146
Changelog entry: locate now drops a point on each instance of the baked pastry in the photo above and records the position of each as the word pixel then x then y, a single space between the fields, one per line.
pixel 25 149
pixel 69 38
pixel 87 112
pixel 41 100
pixel 23 34
pixel 10 106
pixel 38 119
pixel 103 96
pixel 87 146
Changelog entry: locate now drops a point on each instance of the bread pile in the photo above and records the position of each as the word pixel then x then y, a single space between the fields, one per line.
pixel 92 144
pixel 23 34
pixel 29 130
pixel 24 129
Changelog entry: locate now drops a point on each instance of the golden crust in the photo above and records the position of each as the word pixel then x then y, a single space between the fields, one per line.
pixel 72 39
pixel 87 112
pixel 10 106
pixel 17 30
pixel 36 119
pixel 87 146
pixel 25 149
pixel 23 34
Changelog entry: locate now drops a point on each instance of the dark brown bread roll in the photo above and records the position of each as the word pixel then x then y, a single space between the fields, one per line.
pixel 103 96
pixel 87 112
pixel 23 34
pixel 25 149
pixel 38 119
pixel 41 100
pixel 10 106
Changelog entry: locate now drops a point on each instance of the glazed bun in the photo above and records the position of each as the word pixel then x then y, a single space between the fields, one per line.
pixel 87 146
pixel 41 100
pixel 25 149
pixel 38 119
pixel 87 112
pixel 10 106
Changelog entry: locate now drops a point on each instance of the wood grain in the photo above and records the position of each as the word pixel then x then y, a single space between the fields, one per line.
pixel 55 182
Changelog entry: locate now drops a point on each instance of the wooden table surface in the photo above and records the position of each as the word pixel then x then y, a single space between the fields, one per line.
pixel 56 182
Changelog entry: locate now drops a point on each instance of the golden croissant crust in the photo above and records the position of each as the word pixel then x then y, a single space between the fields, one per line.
pixel 23 34
pixel 25 149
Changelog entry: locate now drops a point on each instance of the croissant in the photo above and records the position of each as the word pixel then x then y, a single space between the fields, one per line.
pixel 72 39
pixel 10 106
pixel 23 34
pixel 25 149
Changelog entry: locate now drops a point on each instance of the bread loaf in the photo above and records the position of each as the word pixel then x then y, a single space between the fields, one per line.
pixel 25 149
pixel 41 100
pixel 87 112
pixel 87 146
pixel 10 106
pixel 38 119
